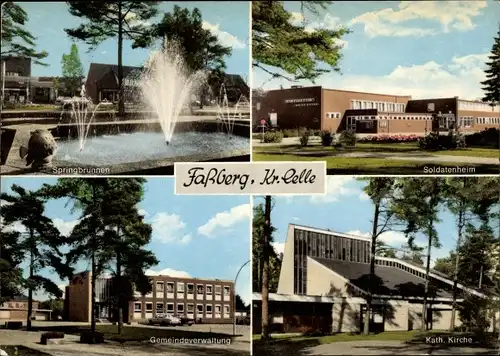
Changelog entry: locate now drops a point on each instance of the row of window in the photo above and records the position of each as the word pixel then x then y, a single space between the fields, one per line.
pixel 469 120
pixel 190 308
pixel 389 117
pixel 333 115
pixel 475 106
pixel 379 105
pixel 400 266
pixel 200 288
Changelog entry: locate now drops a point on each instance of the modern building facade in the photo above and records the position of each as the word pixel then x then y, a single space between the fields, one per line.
pixel 206 301
pixel 333 110
pixel 21 87
pixel 324 281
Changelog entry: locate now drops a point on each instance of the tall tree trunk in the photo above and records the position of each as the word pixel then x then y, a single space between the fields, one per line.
pixel 427 271
pixel 30 287
pixel 121 99
pixel 93 277
pixel 119 288
pixel 455 273
pixel 265 269
pixel 369 299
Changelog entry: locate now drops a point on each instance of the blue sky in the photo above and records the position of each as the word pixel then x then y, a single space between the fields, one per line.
pixel 421 48
pixel 346 209
pixel 47 20
pixel 199 236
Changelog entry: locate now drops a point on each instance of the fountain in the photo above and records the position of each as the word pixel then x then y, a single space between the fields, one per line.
pixel 228 115
pixel 166 87
pixel 157 135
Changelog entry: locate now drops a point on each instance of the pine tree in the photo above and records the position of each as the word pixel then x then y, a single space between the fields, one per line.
pixel 492 83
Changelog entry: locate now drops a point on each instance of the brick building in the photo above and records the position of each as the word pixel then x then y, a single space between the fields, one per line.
pixel 17 309
pixel 205 300
pixel 318 108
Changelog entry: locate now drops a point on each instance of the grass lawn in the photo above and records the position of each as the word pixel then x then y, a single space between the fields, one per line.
pixel 350 165
pixel 35 108
pixel 22 351
pixel 384 147
pixel 134 333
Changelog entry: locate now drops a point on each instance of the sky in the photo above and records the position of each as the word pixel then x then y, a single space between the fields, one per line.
pixel 47 21
pixel 193 236
pixel 427 49
pixel 347 209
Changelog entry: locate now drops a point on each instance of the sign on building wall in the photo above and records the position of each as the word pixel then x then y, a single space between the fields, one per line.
pixel 273 117
pixel 431 107
pixel 302 102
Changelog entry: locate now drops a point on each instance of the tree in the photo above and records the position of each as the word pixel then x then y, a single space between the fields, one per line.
pixel 379 190
pixel 418 205
pixel 104 20
pixel 16 40
pixel 266 236
pixel 446 265
pixel 110 232
pixel 72 70
pixel 257 252
pixel 200 48
pixel 240 304
pixel 413 254
pixel 384 250
pixel 56 305
pixel 38 240
pixel 491 86
pixel 11 257
pixel 284 45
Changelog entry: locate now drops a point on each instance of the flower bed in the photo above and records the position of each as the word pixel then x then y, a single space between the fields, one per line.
pixel 389 138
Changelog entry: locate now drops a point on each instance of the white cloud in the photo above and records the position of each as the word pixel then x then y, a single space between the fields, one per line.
pixel 225 38
pixel 450 15
pixel 461 77
pixel 336 187
pixel 328 22
pixel 296 17
pixel 134 22
pixel 391 238
pixel 64 227
pixel 225 219
pixel 279 247
pixel 168 228
pixel 168 272
pixel 143 212
pixel 296 218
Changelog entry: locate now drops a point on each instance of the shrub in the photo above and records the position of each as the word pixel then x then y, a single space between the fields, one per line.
pixel 487 138
pixel 89 337
pixel 304 138
pixel 347 138
pixel 384 138
pixel 273 137
pixel 50 335
pixel 326 138
pixel 257 136
pixel 434 141
pixel 290 133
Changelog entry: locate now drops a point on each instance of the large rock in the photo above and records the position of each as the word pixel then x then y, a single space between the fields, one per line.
pixel 41 150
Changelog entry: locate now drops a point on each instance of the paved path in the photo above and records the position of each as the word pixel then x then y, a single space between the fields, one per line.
pixel 391 348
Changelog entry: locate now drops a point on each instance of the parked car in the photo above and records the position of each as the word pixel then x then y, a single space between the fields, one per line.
pixel 185 320
pixel 165 320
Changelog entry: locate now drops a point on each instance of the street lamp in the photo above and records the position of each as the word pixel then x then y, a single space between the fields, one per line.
pixel 234 296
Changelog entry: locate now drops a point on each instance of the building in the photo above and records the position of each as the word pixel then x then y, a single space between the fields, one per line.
pixel 324 280
pixel 204 300
pixel 21 87
pixel 334 110
pixel 16 309
pixel 102 83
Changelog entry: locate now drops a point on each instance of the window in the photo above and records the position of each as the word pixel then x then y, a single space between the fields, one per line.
pixel 180 287
pixel 373 117
pixel 170 308
pixel 208 309
pixel 149 307
pixel 199 289
pixel 258 106
pixel 12 74
pixel 159 308
pixel 466 121
pixel 209 290
pixel 226 309
pixel 218 290
pixel 190 308
pixel 160 287
pixel 190 288
pixel 226 290
pixel 199 308
pixel 180 308
pixel 218 309
pixel 137 307
pixel 170 287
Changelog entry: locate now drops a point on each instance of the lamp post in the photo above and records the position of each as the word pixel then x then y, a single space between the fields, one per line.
pixel 234 296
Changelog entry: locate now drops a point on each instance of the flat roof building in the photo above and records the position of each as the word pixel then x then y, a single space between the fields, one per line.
pixel 208 301
pixel 333 110
pixel 327 273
